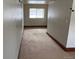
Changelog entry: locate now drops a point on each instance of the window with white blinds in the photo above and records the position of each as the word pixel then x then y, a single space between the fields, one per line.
pixel 36 13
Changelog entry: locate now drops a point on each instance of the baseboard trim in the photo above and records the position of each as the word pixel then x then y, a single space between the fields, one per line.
pixel 62 46
pixel 20 49
pixel 34 26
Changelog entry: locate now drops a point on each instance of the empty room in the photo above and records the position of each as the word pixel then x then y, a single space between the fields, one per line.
pixel 39 29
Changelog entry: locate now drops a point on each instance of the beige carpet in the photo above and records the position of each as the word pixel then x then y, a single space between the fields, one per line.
pixel 36 44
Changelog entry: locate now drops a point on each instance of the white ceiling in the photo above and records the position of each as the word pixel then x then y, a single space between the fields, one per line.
pixel 26 1
pixel 36 0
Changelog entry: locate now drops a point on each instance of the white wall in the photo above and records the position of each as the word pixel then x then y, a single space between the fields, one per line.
pixel 71 34
pixel 12 28
pixel 58 19
pixel 34 22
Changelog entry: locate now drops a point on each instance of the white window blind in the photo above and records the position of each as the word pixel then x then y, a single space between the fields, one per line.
pixel 36 13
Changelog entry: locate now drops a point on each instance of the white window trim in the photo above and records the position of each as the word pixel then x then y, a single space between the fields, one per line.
pixel 37 17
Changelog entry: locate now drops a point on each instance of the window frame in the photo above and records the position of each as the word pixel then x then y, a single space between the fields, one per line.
pixel 37 8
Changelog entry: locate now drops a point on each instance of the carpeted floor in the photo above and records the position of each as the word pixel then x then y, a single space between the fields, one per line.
pixel 36 44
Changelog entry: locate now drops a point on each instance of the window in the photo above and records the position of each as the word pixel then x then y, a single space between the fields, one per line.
pixel 36 13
